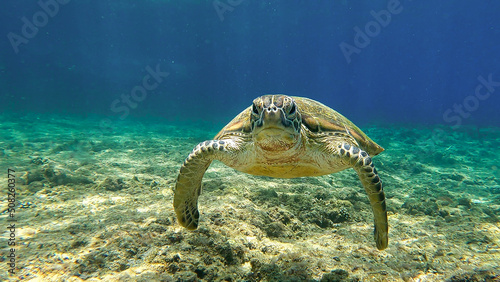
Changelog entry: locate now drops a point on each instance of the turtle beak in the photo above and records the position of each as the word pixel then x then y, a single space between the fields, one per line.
pixel 273 117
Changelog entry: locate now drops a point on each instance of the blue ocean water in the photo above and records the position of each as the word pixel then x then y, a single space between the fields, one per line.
pixel 411 67
pixel 101 102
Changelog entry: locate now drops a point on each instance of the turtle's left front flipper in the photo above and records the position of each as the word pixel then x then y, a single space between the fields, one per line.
pixel 362 163
pixel 188 185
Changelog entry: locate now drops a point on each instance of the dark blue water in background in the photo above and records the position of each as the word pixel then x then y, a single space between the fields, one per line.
pixel 87 54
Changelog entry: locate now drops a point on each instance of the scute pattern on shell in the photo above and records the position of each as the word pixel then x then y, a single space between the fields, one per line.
pixel 317 118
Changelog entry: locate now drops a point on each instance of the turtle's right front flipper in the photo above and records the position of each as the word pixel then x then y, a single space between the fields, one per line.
pixel 362 164
pixel 188 185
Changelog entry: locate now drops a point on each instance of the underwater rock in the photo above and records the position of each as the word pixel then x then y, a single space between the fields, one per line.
pixel 101 260
pixel 217 248
pixel 159 226
pixel 202 240
pixel 33 175
pixel 54 176
pixel 61 177
pixel 444 213
pixel 150 254
pixel 149 276
pixel 260 270
pixel 173 267
pixel 267 196
pixel 80 242
pixel 492 214
pixel 274 223
pixel 452 176
pixel 38 160
pixel 201 271
pixel 495 190
pixel 186 276
pixel 322 195
pixel 326 214
pixel 281 215
pixel 282 270
pixel 337 275
pixel 217 218
pixel 232 255
pixel 444 200
pixel 427 207
pixel 112 184
pixel 296 202
pixel 478 276
pixel 175 237
pixel 276 230
pixel 36 186
pixel 465 202
pixel 75 145
pixel 417 168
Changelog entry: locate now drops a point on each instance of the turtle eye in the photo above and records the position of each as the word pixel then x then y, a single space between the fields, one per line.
pixel 292 109
pixel 254 109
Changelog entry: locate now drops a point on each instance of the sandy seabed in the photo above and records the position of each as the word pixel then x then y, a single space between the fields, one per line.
pixel 97 206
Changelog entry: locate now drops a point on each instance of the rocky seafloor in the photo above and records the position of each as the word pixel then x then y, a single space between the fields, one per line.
pixel 97 206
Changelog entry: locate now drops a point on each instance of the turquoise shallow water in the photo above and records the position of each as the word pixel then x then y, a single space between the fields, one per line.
pixel 94 204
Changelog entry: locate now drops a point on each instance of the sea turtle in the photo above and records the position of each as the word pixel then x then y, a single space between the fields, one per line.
pixel 285 137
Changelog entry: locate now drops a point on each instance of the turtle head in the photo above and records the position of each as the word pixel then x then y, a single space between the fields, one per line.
pixel 275 122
